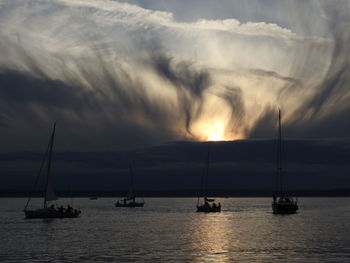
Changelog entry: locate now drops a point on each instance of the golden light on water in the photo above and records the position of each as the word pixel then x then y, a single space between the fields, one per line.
pixel 211 240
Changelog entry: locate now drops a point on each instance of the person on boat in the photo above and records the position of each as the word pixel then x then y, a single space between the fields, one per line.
pixel 219 205
pixel 69 208
pixel 52 207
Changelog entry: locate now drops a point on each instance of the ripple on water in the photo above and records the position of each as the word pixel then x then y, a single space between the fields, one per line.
pixel 168 230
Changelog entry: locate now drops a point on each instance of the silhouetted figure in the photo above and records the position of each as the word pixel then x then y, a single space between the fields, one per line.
pixel 208 206
pixel 274 198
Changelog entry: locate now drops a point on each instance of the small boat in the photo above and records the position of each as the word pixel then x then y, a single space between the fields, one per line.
pixel 127 202
pixel 130 200
pixel 49 211
pixel 208 205
pixel 52 212
pixel 282 204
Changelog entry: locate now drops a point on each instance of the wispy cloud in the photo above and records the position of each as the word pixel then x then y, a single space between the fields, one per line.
pixel 129 76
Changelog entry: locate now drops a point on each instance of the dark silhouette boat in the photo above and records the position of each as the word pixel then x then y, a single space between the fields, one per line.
pixel 208 205
pixel 282 204
pixel 130 199
pixel 49 211
pixel 52 212
pixel 129 202
pixel 285 205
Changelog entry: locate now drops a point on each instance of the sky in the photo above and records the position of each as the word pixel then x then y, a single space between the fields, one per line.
pixel 123 76
pixel 241 164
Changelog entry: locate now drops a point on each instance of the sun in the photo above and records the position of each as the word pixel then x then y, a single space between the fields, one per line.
pixel 215 132
pixel 215 137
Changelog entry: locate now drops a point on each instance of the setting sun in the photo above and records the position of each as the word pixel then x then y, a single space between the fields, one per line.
pixel 215 132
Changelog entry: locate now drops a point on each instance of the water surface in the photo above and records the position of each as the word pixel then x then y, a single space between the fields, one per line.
pixel 169 230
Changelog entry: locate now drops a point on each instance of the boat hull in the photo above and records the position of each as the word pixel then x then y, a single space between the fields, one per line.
pixel 46 213
pixel 208 209
pixel 132 204
pixel 278 208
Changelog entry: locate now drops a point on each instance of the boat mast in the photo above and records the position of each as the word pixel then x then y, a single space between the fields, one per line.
pixel 131 186
pixel 279 155
pixel 49 163
pixel 204 178
pixel 206 172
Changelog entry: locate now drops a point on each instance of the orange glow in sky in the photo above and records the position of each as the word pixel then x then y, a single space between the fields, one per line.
pixel 213 131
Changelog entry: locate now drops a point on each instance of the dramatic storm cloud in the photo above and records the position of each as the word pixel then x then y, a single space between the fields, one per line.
pixel 136 73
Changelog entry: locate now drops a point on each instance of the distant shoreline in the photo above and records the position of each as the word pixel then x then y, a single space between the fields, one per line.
pixel 181 193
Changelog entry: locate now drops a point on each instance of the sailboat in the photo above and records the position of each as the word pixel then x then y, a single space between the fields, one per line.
pixel 49 211
pixel 282 204
pixel 130 199
pixel 208 205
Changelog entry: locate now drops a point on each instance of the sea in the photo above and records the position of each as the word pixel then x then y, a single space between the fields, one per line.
pixel 170 230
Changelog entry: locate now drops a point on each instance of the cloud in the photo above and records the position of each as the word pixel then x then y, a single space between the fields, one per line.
pixel 323 114
pixel 189 84
pixel 128 76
